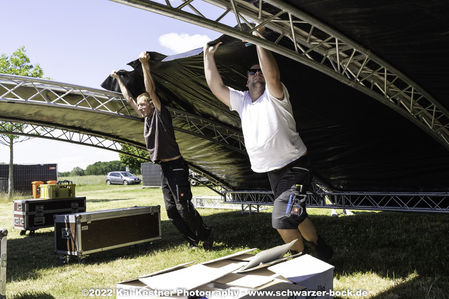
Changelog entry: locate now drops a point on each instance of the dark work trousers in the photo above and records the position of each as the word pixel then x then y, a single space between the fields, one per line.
pixel 281 181
pixel 178 201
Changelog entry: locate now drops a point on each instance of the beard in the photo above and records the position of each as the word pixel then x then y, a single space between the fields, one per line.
pixel 256 85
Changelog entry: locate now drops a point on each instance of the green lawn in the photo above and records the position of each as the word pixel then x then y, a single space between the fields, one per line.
pixel 390 255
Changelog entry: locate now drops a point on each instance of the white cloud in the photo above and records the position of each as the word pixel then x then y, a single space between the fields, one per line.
pixel 183 42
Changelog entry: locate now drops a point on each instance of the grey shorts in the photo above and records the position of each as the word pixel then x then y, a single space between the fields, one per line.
pixel 289 206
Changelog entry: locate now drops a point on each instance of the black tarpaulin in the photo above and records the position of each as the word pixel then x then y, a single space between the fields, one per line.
pixel 354 141
pixel 412 36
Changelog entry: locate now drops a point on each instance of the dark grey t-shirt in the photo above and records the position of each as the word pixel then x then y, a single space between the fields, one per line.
pixel 160 136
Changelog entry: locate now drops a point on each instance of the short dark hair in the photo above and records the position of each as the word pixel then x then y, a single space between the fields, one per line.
pixel 252 63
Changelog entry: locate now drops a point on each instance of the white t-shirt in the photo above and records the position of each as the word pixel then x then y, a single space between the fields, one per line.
pixel 269 129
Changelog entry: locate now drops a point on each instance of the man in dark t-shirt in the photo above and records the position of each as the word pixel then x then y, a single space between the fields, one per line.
pixel 161 144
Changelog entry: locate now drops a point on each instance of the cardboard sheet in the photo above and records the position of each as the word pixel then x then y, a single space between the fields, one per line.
pixel 300 268
pixel 251 281
pixel 190 277
pixel 241 255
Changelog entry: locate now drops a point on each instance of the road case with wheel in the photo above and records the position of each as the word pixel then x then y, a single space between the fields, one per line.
pixel 83 233
pixel 3 234
pixel 32 214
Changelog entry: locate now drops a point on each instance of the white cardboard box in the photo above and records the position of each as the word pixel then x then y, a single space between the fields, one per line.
pixel 310 272
pixel 300 274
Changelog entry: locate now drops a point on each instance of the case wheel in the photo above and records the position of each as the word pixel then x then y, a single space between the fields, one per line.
pixel 23 232
pixel 64 259
pixel 31 233
pixel 81 259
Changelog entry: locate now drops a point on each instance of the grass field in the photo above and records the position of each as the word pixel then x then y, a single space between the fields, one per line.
pixel 390 255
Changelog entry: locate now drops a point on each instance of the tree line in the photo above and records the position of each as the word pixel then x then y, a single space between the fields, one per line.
pixel 98 168
pixel 102 168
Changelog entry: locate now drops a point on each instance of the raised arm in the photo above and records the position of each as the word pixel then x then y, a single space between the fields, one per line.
pixel 150 87
pixel 213 77
pixel 270 69
pixel 126 94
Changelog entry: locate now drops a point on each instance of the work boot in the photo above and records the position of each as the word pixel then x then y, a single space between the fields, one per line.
pixel 208 241
pixel 192 242
pixel 193 245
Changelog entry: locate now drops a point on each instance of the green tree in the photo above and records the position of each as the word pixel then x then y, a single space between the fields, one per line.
pixel 16 64
pixel 77 171
pixel 102 168
pixel 63 174
pixel 131 161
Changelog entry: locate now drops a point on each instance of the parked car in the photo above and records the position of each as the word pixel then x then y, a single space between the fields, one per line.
pixel 121 178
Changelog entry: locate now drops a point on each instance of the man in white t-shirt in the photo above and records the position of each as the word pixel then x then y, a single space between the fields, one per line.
pixel 273 144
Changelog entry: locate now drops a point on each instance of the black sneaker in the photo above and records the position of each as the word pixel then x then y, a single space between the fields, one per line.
pixel 323 251
pixel 193 245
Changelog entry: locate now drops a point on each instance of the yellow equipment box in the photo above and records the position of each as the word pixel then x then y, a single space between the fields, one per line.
pixel 63 189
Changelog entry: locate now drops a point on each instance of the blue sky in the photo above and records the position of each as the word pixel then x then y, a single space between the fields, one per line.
pixel 81 42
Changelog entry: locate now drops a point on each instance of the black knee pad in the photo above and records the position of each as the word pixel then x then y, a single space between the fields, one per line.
pixel 289 209
pixel 296 207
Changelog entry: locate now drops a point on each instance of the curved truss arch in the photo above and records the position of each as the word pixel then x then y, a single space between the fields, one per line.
pixel 60 134
pixel 17 89
pixel 67 135
pixel 35 90
pixel 318 46
pixel 49 94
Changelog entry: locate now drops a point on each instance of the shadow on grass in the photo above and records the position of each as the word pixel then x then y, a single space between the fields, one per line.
pixel 108 200
pixel 419 287
pixel 388 244
pixel 28 254
pixel 33 296
pixel 392 245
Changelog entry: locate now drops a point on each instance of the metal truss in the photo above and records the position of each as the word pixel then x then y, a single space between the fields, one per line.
pixel 207 129
pixel 215 185
pixel 437 202
pixel 249 197
pixel 308 41
pixel 59 134
pixel 55 93
pixel 39 91
pixel 16 89
pixel 56 133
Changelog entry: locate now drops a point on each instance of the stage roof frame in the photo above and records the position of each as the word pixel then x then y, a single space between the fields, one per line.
pixel 309 41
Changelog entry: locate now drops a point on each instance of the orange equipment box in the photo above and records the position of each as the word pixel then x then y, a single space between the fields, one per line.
pixel 36 188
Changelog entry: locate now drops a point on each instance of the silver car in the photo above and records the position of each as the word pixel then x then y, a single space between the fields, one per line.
pixel 122 178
